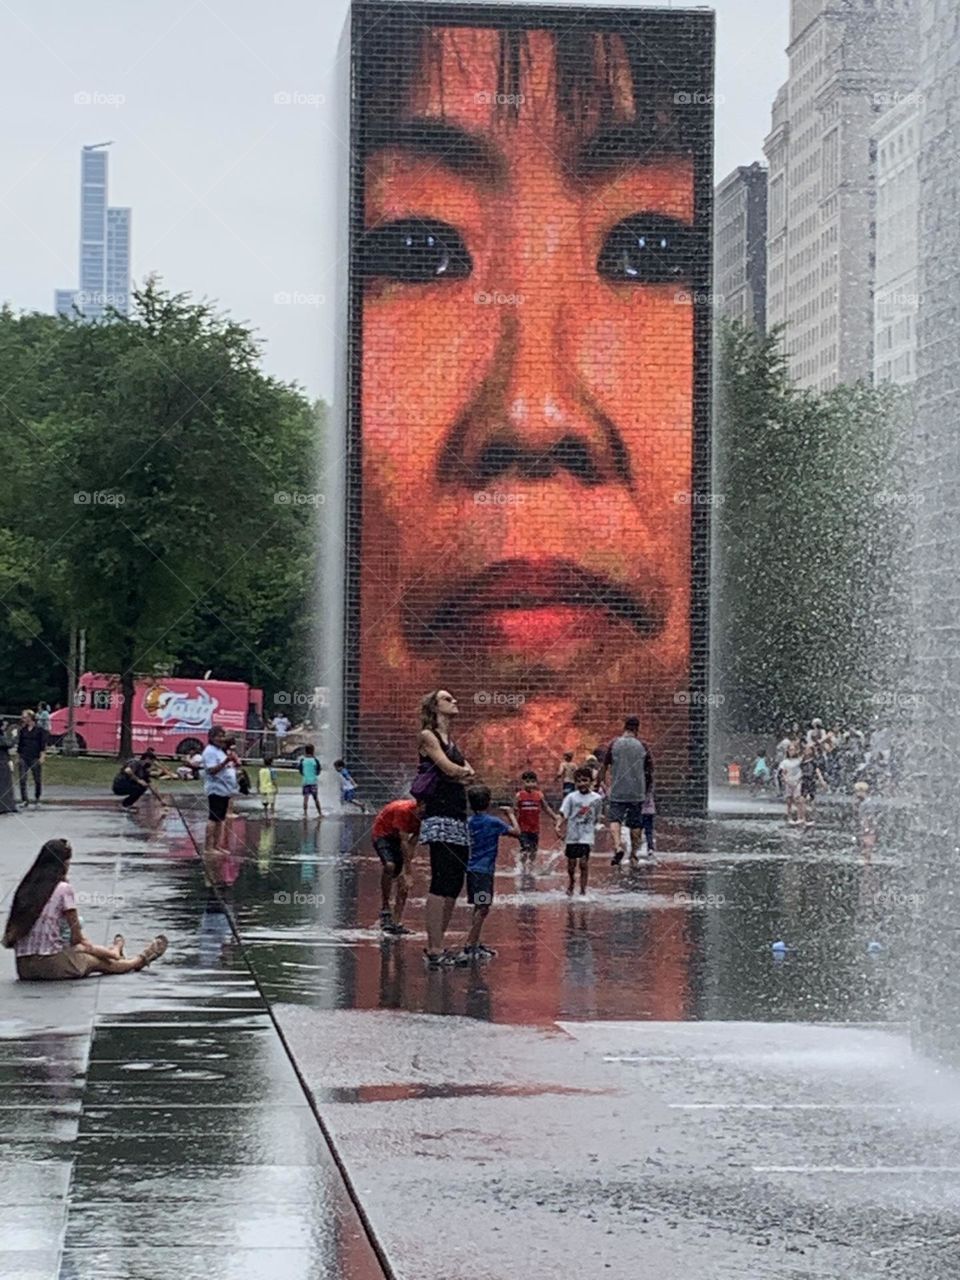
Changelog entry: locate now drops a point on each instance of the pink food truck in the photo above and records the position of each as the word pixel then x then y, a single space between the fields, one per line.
pixel 170 714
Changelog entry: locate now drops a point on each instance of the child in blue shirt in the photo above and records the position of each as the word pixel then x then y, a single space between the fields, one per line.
pixel 310 773
pixel 484 831
pixel 348 786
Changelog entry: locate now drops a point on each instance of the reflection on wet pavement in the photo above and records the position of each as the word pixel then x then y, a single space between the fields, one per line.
pixel 691 937
pixel 625 1061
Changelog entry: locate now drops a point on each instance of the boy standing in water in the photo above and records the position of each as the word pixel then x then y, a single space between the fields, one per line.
pixel 577 825
pixel 530 801
pixel 310 773
pixel 485 832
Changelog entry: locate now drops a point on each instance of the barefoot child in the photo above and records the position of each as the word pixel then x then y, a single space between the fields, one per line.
pixel 310 773
pixel 267 786
pixel 790 774
pixel 577 824
pixel 396 830
pixel 530 802
pixel 485 831
pixel 348 786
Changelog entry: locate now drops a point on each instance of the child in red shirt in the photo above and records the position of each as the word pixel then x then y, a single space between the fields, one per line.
pixel 395 831
pixel 529 803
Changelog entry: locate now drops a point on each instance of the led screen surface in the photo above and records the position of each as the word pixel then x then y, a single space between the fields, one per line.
pixel 529 384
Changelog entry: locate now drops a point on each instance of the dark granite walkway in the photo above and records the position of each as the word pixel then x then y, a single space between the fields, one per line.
pixel 637 1084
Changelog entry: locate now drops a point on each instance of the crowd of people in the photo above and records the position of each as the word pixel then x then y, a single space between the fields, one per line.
pixel 449 811
pixel 807 762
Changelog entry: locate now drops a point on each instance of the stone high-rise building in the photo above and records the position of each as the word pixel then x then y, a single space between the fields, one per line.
pixel 896 288
pixel 849 59
pixel 740 246
pixel 934 565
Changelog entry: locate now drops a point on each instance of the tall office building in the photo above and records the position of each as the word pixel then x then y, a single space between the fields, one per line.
pixel 849 60
pixel 740 246
pixel 896 287
pixel 104 245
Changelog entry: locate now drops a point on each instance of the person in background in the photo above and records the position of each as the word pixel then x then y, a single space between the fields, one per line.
pixel 43 904
pixel 309 767
pixel 783 746
pixel 396 830
pixel 8 800
pixel 135 779
pixel 219 784
pixel 565 774
pixel 760 777
pixel 631 778
pixel 31 754
pixel 484 832
pixel 43 716
pixel 348 786
pixel 281 727
pixel 811 777
pixel 267 786
pixel 648 816
pixel 530 803
pixel 789 772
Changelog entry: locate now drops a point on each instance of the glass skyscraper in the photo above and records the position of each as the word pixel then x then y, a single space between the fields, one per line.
pixel 104 245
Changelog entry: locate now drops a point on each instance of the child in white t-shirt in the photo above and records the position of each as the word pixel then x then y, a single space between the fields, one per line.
pixel 577 826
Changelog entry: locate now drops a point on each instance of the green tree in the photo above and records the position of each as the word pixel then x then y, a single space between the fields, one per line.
pixel 810 523
pixel 163 454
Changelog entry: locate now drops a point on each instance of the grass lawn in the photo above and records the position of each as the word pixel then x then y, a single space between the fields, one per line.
pixel 98 773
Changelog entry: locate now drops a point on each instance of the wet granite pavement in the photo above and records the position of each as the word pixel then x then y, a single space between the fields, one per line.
pixel 636 1083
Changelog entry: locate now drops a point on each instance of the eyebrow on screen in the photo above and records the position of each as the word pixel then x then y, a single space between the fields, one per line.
pixel 618 147
pixel 464 153
pixel 471 155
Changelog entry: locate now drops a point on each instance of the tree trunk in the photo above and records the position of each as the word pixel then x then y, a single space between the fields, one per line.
pixel 126 708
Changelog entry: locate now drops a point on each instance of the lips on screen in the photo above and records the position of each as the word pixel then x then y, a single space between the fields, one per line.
pixel 526 413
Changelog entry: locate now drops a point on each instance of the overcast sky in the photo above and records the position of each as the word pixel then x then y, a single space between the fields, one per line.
pixel 234 191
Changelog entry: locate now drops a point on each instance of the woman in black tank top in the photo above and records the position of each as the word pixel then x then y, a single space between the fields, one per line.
pixel 444 828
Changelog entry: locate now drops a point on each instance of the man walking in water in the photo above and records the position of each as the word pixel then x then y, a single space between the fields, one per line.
pixel 631 767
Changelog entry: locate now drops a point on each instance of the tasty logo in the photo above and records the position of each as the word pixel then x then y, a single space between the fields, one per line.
pixel 179 710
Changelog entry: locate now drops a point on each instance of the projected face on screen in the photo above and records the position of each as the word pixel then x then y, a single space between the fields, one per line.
pixel 526 395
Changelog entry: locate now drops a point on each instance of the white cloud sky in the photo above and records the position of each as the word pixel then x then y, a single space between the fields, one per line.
pixel 234 194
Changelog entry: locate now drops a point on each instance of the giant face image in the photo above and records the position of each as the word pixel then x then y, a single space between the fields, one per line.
pixel 531 247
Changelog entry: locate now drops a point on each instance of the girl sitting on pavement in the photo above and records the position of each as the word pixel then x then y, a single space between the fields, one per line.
pixel 43 902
